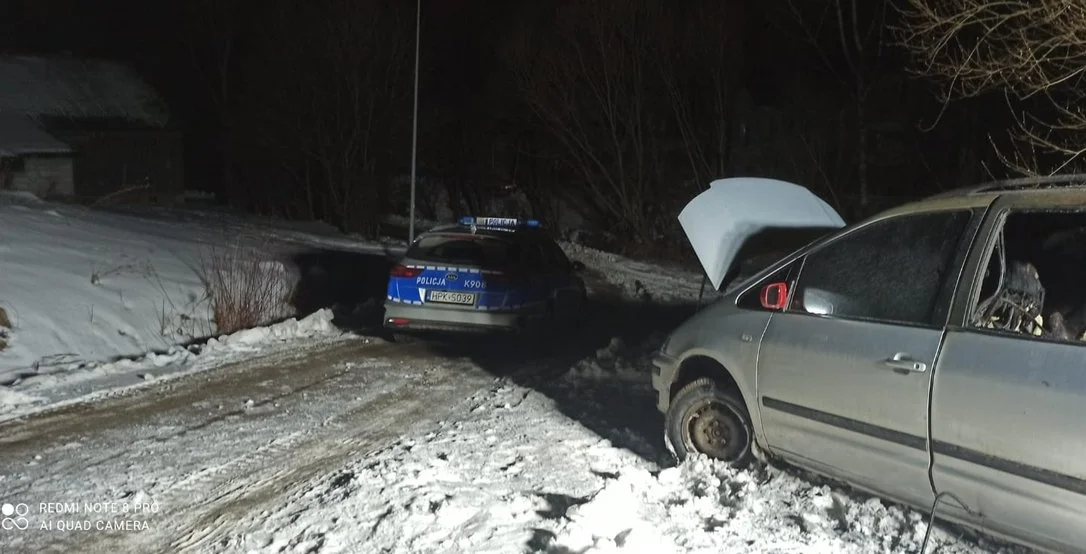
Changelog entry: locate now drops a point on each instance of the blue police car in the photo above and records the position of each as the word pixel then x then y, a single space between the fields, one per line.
pixel 484 274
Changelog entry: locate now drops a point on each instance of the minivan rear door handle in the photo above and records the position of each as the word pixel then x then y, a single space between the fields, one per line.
pixel 902 363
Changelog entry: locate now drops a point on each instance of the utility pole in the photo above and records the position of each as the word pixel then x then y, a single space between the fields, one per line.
pixel 415 123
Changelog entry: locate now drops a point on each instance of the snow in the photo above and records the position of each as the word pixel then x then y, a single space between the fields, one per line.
pixel 94 381
pixel 534 459
pixel 518 469
pixel 642 280
pixel 100 296
pixel 19 135
pixel 80 288
pixel 92 293
pixel 78 88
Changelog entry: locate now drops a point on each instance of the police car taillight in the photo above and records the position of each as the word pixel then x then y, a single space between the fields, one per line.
pixel 400 270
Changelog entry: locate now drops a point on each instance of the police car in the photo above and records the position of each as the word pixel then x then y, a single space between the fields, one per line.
pixel 484 274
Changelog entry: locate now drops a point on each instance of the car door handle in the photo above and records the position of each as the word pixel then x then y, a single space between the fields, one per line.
pixel 902 363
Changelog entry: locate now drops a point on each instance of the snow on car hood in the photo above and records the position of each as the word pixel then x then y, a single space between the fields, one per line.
pixel 719 221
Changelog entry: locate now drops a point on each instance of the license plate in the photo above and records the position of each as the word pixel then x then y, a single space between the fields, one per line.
pixel 446 297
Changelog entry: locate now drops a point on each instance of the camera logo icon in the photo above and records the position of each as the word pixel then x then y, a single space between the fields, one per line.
pixel 14 517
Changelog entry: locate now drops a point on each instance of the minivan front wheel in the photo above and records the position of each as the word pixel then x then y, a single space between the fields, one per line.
pixel 704 419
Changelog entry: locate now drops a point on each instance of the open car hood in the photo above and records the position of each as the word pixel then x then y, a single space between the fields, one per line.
pixel 740 218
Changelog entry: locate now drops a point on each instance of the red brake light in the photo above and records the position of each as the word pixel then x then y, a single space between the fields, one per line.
pixel 400 270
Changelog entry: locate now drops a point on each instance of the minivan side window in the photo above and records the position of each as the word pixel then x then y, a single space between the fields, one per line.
pixel 1031 286
pixel 893 270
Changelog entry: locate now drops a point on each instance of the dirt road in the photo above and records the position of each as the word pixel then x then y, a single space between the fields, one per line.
pixel 193 454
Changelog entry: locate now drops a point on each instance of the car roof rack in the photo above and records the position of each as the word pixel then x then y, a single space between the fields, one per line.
pixel 1042 182
pixel 1020 184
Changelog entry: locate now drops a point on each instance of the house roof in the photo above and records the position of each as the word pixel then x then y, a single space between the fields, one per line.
pixel 20 135
pixel 67 87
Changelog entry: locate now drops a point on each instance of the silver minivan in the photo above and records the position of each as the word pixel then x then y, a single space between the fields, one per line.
pixel 932 354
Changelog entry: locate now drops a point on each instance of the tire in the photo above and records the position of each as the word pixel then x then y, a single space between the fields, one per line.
pixel 700 415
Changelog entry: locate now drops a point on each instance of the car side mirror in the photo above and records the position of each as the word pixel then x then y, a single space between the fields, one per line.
pixel 577 266
pixel 774 296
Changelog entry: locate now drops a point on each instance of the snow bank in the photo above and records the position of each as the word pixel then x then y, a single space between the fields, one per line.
pixel 97 296
pixel 317 324
pixel 32 393
pixel 421 224
pixel 84 285
pixel 619 361
pixel 641 280
pixel 78 287
pixel 705 506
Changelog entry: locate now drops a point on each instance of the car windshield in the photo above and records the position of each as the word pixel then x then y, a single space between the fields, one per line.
pixel 479 250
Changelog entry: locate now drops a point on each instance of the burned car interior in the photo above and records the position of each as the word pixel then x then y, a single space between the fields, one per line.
pixel 1033 282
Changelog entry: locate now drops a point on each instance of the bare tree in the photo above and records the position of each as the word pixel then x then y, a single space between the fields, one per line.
pixel 1033 52
pixel 701 90
pixel 326 91
pixel 850 38
pixel 621 86
pixel 213 29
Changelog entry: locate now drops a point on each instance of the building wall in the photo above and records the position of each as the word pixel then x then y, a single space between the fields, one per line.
pixel 110 161
pixel 43 175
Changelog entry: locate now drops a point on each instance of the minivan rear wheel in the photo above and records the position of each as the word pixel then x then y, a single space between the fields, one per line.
pixel 704 419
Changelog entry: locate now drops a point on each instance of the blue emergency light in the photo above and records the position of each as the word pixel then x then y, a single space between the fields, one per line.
pixel 498 222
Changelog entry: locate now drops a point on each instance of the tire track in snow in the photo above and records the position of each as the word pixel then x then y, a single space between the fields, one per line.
pixel 412 404
pixel 280 420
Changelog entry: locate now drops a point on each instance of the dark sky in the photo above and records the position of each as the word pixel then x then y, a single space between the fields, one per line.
pixel 289 85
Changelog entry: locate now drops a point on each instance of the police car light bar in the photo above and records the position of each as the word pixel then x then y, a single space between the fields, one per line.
pixel 498 222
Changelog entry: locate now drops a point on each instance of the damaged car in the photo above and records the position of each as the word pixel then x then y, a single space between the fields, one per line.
pixel 933 354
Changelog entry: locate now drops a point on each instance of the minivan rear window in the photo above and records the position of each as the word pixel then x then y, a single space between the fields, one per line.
pixel 477 250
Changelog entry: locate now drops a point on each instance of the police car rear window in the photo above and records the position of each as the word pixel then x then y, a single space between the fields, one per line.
pixel 476 250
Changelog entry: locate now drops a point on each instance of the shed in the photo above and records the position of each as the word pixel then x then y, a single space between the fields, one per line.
pixel 84 128
pixel 32 159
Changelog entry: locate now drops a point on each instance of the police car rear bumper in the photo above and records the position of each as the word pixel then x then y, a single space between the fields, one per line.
pixel 423 318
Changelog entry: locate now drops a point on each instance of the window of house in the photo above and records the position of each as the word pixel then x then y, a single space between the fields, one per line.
pixel 899 270
pixel 1032 282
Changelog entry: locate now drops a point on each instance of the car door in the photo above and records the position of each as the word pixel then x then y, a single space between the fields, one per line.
pixel 1008 409
pixel 843 373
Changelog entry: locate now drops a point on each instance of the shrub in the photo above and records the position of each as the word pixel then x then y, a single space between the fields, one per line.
pixel 244 288
pixel 5 328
